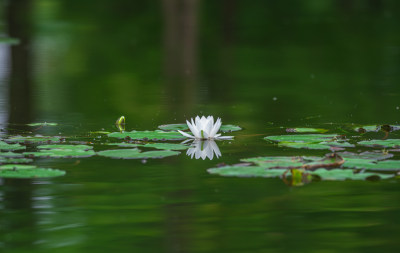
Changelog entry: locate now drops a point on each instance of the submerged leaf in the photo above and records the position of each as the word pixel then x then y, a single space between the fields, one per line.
pixel 136 153
pixel 148 135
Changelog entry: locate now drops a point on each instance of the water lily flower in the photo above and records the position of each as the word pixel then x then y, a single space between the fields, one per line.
pixel 205 129
pixel 204 149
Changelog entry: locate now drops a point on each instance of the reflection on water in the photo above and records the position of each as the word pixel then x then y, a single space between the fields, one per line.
pixel 204 149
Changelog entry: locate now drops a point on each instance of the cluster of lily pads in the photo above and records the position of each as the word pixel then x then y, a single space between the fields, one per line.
pixel 17 151
pixel 352 155
pixel 340 165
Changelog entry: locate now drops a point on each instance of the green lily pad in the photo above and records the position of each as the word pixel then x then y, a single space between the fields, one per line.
pixel 310 141
pixel 6 146
pixel 10 157
pixel 34 139
pixel 174 127
pixel 276 161
pixel 163 146
pixel 66 147
pixel 367 155
pixel 43 124
pixel 388 165
pixel 369 128
pixel 229 128
pixel 148 135
pixel 344 174
pixel 9 41
pixel 182 127
pixel 62 151
pixel 246 171
pixel 136 153
pixel 392 143
pixel 28 171
pixel 306 130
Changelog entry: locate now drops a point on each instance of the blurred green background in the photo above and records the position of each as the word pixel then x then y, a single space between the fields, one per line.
pixel 254 63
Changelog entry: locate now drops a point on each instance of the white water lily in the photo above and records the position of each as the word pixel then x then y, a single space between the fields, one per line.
pixel 205 129
pixel 204 149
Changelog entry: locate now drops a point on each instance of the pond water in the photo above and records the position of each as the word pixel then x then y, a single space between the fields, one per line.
pixel 261 65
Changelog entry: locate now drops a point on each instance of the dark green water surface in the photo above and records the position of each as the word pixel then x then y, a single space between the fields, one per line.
pixel 262 65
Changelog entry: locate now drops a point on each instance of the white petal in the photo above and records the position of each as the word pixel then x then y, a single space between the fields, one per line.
pixel 216 127
pixel 192 128
pixel 185 134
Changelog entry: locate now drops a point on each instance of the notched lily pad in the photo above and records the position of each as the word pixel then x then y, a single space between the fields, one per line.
pixel 136 153
pixel 62 151
pixel 183 127
pixel 10 147
pixel 392 143
pixel 34 139
pixel 310 141
pixel 306 130
pixel 28 171
pixel 43 124
pixel 9 41
pixel 156 135
pixel 246 171
pixel 163 146
pixel 346 174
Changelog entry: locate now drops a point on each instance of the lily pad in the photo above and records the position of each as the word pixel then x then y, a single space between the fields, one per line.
pixel 367 155
pixel 276 161
pixel 43 124
pixel 388 165
pixel 62 151
pixel 9 41
pixel 6 146
pixel 163 146
pixel 310 141
pixel 148 135
pixel 230 128
pixel 246 171
pixel 343 174
pixel 28 171
pixel 34 139
pixel 392 143
pixel 306 130
pixel 182 127
pixel 174 127
pixel 136 153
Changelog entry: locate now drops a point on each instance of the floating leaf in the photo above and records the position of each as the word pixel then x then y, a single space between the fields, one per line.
pixel 6 146
pixel 182 127
pixel 174 127
pixel 389 165
pixel 343 174
pixel 367 155
pixel 164 146
pixel 148 135
pixel 392 143
pixel 43 124
pixel 246 171
pixel 136 154
pixel 276 161
pixel 306 130
pixel 4 160
pixel 66 147
pixel 9 41
pixel 34 139
pixel 59 151
pixel 310 141
pixel 28 171
pixel 369 128
pixel 230 128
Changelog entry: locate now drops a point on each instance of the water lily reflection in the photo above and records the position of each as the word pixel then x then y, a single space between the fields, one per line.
pixel 204 149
